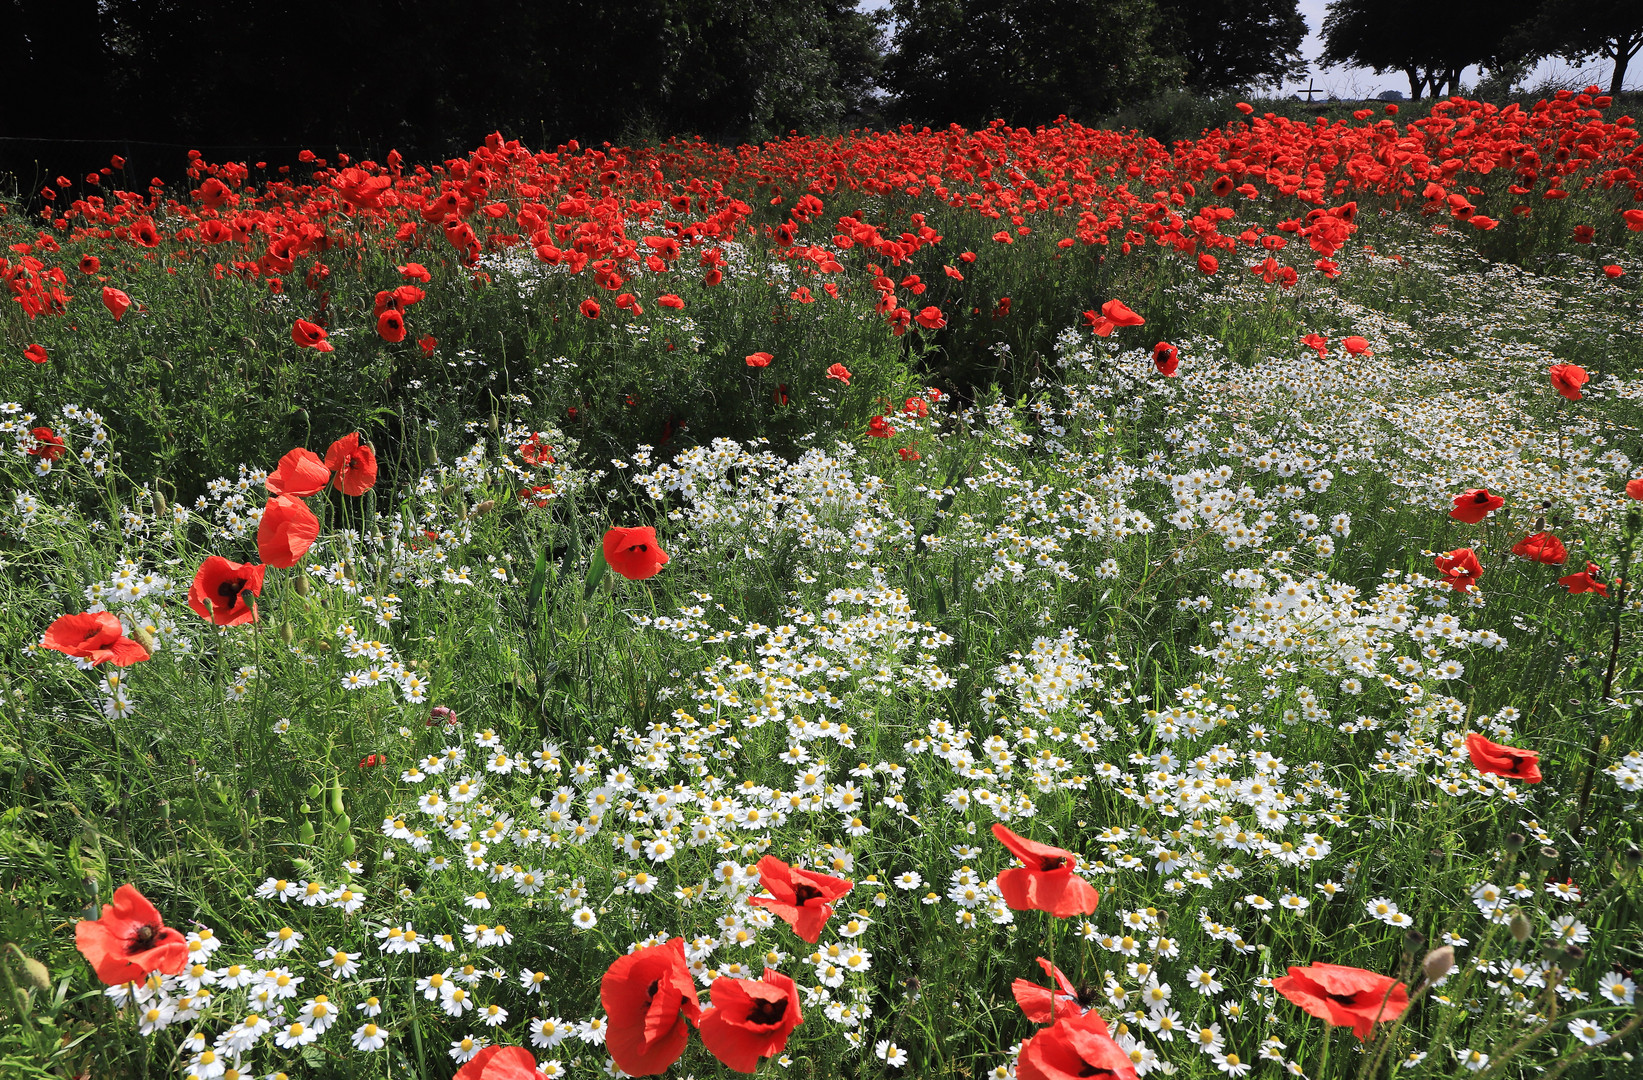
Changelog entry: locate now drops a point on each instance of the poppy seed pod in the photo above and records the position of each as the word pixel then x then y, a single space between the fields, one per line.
pixel 1632 857
pixel 1548 857
pixel 1515 842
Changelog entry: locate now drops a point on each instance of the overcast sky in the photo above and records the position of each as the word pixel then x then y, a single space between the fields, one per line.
pixel 1349 82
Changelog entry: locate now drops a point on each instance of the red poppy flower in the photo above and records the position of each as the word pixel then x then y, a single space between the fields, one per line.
pixel 35 353
pixel 96 636
pixel 750 1019
pixel 500 1063
pixel 590 308
pixel 536 452
pixel 1614 270
pixel 877 428
pixel 1585 234
pixel 219 589
pixel 1474 505
pixel 46 444
pixel 839 372
pixel 650 999
pixel 355 465
pixel 116 301
pixel 1584 581
pixel 1078 1046
pixel 1508 761
pixel 931 318
pixel 90 264
pixel 1166 358
pixel 415 272
pixel 391 326
pixel 371 761
pixel 1317 342
pixel 1633 219
pixel 1037 1001
pixel 1634 489
pixel 759 359
pixel 310 336
pixel 130 940
pixel 300 473
pixel 1245 107
pixel 953 272
pixel 1541 547
pixel 1568 379
pixel 1208 264
pixel 287 530
pixel 1460 568
pixel 803 899
pixel 634 553
pixel 1046 882
pixel 1344 996
pixel 1356 346
pixel 668 300
pixel 1113 315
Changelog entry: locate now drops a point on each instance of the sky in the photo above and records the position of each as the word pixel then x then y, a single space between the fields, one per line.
pixel 1349 82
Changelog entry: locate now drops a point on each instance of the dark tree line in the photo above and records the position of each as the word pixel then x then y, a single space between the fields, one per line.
pixel 430 77
pixel 1432 44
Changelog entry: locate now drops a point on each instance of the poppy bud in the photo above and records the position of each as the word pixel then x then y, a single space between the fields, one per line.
pixel 144 637
pixel 159 500
pixel 1552 953
pixel 300 583
pixel 35 974
pixel 485 507
pixel 287 634
pixel 1413 940
pixel 1520 927
pixel 1548 857
pixel 1515 842
pixel 1438 963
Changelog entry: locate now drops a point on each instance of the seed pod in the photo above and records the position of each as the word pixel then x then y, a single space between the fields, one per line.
pixel 1515 842
pixel 315 791
pixel 348 846
pixel 1548 857
pixel 1632 857
pixel 1520 927
pixel 305 832
pixel 1573 954
pixel 1438 963
pixel 336 796
pixel 1413 940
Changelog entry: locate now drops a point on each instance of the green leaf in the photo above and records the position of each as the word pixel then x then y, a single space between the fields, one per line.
pixel 539 580
pixel 597 569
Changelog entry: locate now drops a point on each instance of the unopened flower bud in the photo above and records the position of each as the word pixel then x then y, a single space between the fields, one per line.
pixel 144 637
pixel 1520 926
pixel 287 634
pixel 300 583
pixel 485 507
pixel 1438 963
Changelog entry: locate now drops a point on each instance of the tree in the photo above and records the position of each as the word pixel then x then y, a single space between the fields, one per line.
pixel 1578 30
pixel 1431 44
pixel 1027 61
pixel 1232 44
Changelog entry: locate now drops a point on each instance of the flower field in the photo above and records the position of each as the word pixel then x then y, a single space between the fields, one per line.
pixel 967 604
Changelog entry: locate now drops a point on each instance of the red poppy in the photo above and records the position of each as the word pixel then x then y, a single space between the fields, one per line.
pixel 355 465
pixel 415 272
pixel 803 899
pixel 1038 1001
pixel 1508 761
pixel 1113 315
pixel 1166 358
pixel 427 343
pixel 1634 489
pixel 391 326
pixel 46 444
pixel 371 761
pixel 750 1019
pixel 759 359
pixel 1585 234
pixel 1356 346
pixel 877 428
pixel 1584 581
pixel 300 473
pixel 287 530
pixel 1474 505
pixel 1614 270
pixel 668 300
pixel 116 301
pixel 130 940
pixel 310 336
pixel 1208 264
pixel 219 589
pixel 35 353
pixel 1344 996
pixel 931 318
pixel 953 272
pixel 650 999
pixel 1245 107
pixel 97 636
pixel 909 453
pixel 1078 1046
pixel 839 372
pixel 500 1063
pixel 634 553
pixel 1460 568
pixel 1541 547
pixel 536 452
pixel 1317 342
pixel 1568 379
pixel 90 264
pixel 590 308
pixel 1046 882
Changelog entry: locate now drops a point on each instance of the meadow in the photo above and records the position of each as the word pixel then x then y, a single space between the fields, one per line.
pixel 930 603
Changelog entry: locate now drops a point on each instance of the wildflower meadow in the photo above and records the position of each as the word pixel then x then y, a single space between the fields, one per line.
pixel 924 603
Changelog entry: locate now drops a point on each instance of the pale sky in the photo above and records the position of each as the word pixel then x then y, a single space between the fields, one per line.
pixel 1346 82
